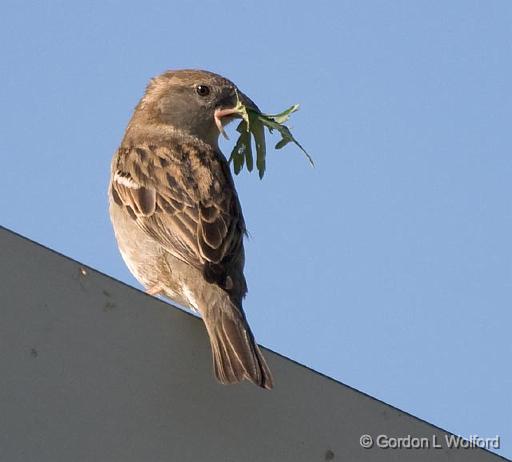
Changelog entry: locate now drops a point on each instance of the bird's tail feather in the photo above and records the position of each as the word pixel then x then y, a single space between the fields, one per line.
pixel 236 355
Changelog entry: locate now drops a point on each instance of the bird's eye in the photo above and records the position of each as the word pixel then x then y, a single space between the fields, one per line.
pixel 203 90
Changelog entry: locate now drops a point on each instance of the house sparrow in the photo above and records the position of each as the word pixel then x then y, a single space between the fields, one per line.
pixel 176 213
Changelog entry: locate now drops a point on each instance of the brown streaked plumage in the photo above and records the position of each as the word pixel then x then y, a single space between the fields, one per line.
pixel 176 213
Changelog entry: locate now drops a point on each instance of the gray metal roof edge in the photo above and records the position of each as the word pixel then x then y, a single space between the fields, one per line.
pixel 192 315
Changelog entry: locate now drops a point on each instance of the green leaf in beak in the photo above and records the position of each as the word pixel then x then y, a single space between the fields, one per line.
pixel 254 123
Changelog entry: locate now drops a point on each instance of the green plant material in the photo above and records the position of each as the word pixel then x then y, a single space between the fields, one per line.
pixel 242 151
pixel 254 123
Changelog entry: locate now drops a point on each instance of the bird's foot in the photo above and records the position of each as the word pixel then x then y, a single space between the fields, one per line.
pixel 154 291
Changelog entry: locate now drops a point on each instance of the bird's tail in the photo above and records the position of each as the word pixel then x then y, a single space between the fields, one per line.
pixel 236 355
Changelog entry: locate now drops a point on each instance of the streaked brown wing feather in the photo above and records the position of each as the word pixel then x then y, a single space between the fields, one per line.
pixel 185 199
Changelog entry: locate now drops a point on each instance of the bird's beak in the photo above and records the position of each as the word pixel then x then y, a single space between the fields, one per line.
pixel 224 115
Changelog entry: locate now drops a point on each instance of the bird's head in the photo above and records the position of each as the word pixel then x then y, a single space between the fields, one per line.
pixel 196 102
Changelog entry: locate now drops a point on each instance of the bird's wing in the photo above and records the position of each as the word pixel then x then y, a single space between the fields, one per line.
pixel 184 198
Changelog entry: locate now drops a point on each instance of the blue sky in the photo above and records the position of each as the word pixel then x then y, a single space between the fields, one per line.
pixel 389 265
